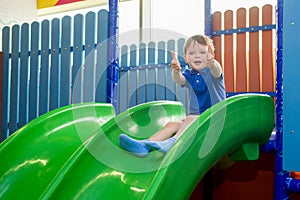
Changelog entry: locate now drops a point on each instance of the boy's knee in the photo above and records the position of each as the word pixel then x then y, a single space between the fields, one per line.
pixel 173 124
pixel 191 117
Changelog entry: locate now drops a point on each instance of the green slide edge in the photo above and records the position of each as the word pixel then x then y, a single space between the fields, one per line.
pixel 32 155
pixel 99 168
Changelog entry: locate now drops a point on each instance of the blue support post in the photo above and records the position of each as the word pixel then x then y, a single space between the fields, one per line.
pixel 208 19
pixel 292 185
pixel 280 175
pixel 113 65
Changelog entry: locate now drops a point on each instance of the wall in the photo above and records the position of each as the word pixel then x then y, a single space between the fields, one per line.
pixel 11 14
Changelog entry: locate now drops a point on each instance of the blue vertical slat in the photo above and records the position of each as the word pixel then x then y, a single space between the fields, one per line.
pixel 170 47
pixel 65 84
pixel 123 89
pixel 151 53
pixel 180 46
pixel 44 71
pixel 5 81
pixel 152 83
pixel 141 84
pixel 142 76
pixel 132 76
pixel 132 59
pixel 162 89
pixel 181 92
pixel 89 68
pixel 14 82
pixel 102 55
pixel 77 59
pixel 123 80
pixel 142 54
pixel 161 52
pixel 161 82
pixel 133 87
pixel 24 75
pixel 171 89
pixel 33 83
pixel 124 56
pixel 55 65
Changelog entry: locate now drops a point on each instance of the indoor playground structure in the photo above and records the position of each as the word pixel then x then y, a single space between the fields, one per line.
pixel 67 97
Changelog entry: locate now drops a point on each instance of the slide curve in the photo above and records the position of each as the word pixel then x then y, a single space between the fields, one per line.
pixel 97 168
pixel 31 157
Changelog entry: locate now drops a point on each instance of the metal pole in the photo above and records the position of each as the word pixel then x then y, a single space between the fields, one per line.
pixel 113 66
pixel 208 19
pixel 280 175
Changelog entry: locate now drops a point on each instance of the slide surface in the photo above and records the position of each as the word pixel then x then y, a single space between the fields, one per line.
pixel 32 156
pixel 99 169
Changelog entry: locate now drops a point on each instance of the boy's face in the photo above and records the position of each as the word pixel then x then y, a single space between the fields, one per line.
pixel 196 56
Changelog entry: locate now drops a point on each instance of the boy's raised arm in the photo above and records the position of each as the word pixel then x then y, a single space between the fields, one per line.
pixel 214 65
pixel 176 70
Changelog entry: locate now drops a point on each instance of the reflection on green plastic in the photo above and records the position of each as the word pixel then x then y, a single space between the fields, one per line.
pixel 34 154
pixel 99 169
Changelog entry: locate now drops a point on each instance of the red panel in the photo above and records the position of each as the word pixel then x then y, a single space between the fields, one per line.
pixel 241 58
pixel 254 65
pixel 268 84
pixel 228 52
pixel 217 25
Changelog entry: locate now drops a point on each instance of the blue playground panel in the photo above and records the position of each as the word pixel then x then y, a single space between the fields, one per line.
pixel 291 86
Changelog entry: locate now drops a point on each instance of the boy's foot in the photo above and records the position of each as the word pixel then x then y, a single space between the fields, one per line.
pixel 137 147
pixel 162 146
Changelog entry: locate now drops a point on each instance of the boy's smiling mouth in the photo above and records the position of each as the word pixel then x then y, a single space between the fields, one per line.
pixel 198 62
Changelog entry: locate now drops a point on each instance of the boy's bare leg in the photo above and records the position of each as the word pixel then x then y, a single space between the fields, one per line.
pixel 162 141
pixel 184 124
pixel 174 129
pixel 168 131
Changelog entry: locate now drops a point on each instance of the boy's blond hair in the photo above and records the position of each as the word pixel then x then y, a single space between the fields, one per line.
pixel 201 39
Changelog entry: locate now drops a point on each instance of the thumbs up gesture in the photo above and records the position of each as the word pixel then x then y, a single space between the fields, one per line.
pixel 175 63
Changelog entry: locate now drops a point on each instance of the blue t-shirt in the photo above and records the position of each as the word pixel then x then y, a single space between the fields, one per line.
pixel 204 89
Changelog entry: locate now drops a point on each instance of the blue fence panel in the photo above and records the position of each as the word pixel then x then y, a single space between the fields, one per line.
pixel 34 63
pixel 171 92
pixel 14 82
pixel 50 72
pixel 23 94
pixel 161 82
pixel 151 78
pixel 132 76
pixel 141 75
pixel 5 81
pixel 44 69
pixel 123 89
pixel 77 81
pixel 55 64
pixel 89 66
pixel 65 70
pixel 123 80
pixel 151 83
pixel 102 56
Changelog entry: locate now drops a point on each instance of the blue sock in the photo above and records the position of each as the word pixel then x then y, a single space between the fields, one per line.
pixel 137 147
pixel 162 146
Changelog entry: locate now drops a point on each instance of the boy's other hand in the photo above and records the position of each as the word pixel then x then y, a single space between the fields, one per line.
pixel 175 63
pixel 210 57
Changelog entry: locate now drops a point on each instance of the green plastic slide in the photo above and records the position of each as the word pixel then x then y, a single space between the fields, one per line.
pixel 32 156
pixel 97 168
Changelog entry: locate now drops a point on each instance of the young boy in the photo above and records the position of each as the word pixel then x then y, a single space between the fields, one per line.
pixel 205 82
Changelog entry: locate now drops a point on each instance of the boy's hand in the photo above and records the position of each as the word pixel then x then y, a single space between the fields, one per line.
pixel 175 63
pixel 210 57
